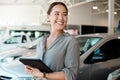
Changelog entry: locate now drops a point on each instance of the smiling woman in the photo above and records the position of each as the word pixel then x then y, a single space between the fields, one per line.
pixel 58 50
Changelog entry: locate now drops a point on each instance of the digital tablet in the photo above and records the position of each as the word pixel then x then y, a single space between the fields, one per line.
pixel 36 63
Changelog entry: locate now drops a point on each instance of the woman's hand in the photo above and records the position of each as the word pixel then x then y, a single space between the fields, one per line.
pixel 34 71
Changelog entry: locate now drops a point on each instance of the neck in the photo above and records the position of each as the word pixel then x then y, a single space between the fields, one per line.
pixel 55 34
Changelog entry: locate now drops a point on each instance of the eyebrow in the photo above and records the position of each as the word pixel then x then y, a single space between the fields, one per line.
pixel 62 12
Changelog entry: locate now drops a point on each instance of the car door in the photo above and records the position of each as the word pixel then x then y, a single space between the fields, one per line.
pixel 104 60
pixel 85 71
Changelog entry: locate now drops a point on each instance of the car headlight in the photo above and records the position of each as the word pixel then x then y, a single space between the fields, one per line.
pixel 7 59
pixel 24 78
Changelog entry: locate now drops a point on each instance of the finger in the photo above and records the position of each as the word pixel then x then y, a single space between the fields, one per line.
pixel 28 67
pixel 29 71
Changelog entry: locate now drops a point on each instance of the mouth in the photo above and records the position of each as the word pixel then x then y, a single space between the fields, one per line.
pixel 60 23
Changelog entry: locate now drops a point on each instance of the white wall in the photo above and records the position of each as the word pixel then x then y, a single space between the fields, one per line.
pixel 30 14
pixel 102 19
pixel 80 15
pixel 19 14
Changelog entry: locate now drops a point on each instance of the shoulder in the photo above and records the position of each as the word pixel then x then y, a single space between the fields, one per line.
pixel 42 39
pixel 69 37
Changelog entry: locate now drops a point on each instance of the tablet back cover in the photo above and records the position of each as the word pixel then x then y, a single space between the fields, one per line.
pixel 36 63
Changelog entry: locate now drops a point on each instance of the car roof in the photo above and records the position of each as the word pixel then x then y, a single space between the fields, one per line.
pixel 93 35
pixel 101 35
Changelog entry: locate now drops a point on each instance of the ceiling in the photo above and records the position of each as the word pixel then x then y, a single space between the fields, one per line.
pixel 102 4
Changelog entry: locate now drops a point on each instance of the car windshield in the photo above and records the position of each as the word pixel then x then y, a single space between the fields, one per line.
pixel 87 42
pixel 13 40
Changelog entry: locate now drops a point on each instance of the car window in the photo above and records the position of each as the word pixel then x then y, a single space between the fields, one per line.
pixel 87 42
pixel 110 50
pixel 24 39
pixel 13 40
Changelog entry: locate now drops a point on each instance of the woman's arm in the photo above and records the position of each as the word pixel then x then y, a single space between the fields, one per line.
pixel 56 75
pixel 52 76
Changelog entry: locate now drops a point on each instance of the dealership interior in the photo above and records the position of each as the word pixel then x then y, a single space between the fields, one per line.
pixel 94 23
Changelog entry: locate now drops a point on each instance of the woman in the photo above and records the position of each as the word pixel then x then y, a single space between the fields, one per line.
pixel 59 50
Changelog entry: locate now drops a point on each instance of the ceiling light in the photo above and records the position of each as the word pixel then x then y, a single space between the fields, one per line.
pixel 115 12
pixel 108 10
pixel 95 7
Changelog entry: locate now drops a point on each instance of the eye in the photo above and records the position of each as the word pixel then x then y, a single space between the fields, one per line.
pixel 56 13
pixel 65 14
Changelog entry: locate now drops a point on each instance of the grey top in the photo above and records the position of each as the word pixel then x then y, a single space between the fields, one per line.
pixel 62 55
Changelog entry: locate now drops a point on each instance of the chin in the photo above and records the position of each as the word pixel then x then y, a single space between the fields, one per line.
pixel 60 28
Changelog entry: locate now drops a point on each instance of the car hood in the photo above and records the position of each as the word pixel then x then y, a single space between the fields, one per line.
pixel 5 73
pixel 16 68
pixel 11 51
pixel 4 47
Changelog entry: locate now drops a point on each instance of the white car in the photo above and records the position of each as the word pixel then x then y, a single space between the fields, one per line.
pixel 99 56
pixel 27 51
pixel 10 55
pixel 11 68
pixel 14 71
pixel 14 41
pixel 115 75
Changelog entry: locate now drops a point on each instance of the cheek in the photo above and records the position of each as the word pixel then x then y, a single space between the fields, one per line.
pixel 52 19
pixel 65 19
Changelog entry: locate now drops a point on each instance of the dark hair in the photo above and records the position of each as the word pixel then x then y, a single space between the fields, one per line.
pixel 54 4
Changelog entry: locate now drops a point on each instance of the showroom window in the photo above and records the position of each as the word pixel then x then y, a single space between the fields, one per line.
pixel 33 34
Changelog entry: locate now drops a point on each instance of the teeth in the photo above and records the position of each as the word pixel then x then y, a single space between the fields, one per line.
pixel 60 22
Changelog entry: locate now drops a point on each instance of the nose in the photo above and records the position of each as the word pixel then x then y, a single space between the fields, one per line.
pixel 60 16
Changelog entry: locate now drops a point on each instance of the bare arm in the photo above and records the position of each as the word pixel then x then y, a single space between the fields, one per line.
pixel 52 76
pixel 56 75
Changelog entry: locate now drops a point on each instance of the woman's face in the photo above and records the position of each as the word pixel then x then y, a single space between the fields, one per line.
pixel 58 17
